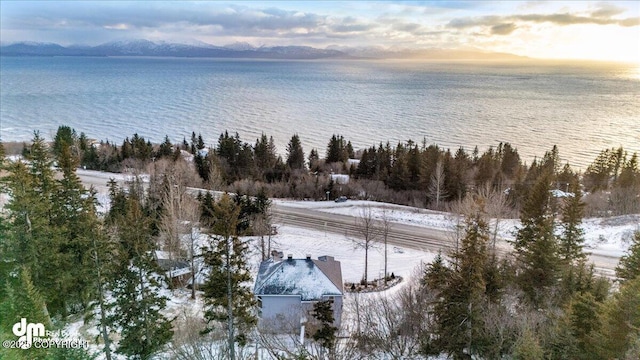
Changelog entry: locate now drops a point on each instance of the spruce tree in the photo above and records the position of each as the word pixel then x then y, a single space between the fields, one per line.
pixel 137 309
pixel 459 310
pixel 399 173
pixel 620 322
pixel 630 173
pixel 39 241
pixel 65 138
pixel 313 160
pixel 527 347
pixel 436 275
pixel 137 303
pixel 295 154
pixel 536 245
pixel 325 335
pixel 102 258
pixel 629 266
pixel 75 214
pixel 572 237
pixel 337 150
pixel 22 300
pixel 165 149
pixel 265 154
pixel 228 300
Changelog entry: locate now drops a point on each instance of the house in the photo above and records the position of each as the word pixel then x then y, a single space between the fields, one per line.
pixel 177 271
pixel 287 289
pixel 340 179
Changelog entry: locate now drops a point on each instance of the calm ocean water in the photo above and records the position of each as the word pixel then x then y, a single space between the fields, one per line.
pixel 581 108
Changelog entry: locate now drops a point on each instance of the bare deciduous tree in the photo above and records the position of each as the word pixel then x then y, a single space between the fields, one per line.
pixel 189 343
pixel 437 191
pixel 395 325
pixel 262 226
pixel 180 217
pixel 385 229
pixel 496 207
pixel 280 339
pixel 368 232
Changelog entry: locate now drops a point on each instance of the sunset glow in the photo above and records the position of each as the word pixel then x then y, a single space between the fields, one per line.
pixel 553 30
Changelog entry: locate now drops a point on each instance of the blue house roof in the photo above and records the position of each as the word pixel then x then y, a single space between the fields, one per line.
pixel 310 279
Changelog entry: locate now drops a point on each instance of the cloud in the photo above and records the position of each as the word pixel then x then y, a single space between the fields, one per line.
pixel 503 25
pixel 605 10
pixel 231 19
pixel 503 29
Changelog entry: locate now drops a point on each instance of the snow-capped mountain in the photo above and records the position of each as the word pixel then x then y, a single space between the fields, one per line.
pixel 149 48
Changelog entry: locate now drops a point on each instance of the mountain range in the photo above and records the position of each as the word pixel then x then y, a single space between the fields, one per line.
pixel 238 50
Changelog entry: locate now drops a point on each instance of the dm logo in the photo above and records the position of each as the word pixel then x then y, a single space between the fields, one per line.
pixel 26 332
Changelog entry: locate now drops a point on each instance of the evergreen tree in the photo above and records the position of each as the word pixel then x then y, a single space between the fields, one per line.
pixel 39 241
pixel 325 335
pixel 527 347
pixel 436 275
pixel 536 245
pixel 598 174
pixel 572 237
pixel 630 173
pixel 337 150
pixel 265 154
pixel 510 160
pixel 551 161
pixel 629 266
pixel 165 149
pixel 459 311
pixel 102 258
pixel 399 174
pixel 584 316
pixel 367 165
pixel 620 322
pixel 313 160
pixel 414 165
pixel 137 309
pixel 22 300
pixel 455 182
pixel 487 166
pixel 65 138
pixel 75 214
pixel 295 154
pixel 137 305
pixel 228 300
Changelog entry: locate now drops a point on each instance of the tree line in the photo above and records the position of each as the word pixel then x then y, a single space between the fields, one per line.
pixel 408 173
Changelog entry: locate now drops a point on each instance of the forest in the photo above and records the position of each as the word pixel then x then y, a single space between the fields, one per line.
pixel 63 261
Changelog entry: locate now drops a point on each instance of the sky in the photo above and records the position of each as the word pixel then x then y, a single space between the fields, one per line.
pixel 539 29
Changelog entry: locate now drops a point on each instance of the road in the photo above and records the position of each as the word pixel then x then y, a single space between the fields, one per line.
pixel 403 235
pixel 400 235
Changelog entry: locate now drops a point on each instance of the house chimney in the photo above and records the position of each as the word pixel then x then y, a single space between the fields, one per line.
pixel 290 256
pixel 277 255
pixel 308 256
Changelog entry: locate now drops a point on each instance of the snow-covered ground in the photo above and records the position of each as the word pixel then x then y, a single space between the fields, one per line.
pixel 606 236
pixel 301 242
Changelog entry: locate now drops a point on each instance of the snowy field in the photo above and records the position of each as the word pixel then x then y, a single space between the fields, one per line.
pixel 301 242
pixel 607 236
pixel 604 236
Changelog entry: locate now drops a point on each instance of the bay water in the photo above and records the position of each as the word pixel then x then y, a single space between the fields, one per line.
pixel 581 107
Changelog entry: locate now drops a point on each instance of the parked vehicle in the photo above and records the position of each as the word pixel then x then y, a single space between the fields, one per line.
pixel 341 199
